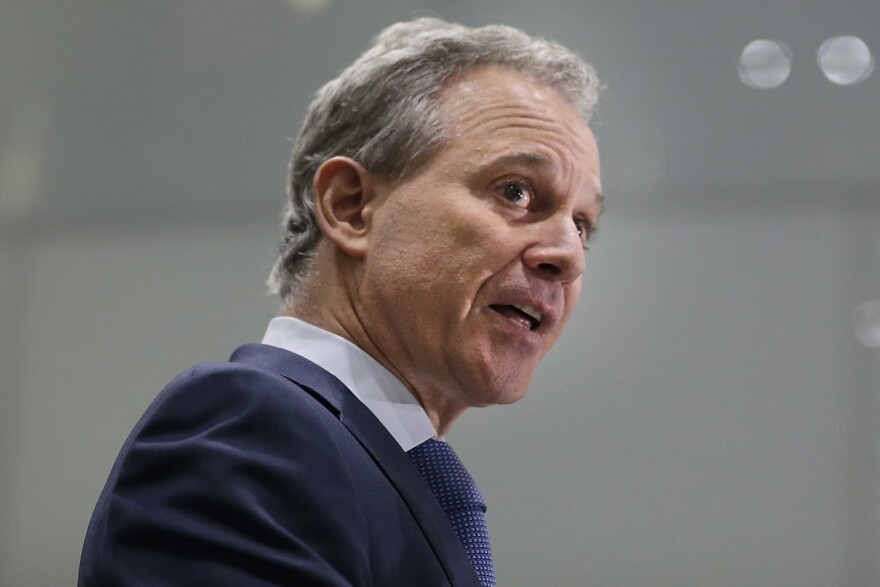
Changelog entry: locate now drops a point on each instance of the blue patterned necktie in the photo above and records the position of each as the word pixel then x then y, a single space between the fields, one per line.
pixel 460 499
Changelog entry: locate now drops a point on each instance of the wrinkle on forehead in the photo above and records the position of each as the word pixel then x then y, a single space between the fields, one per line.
pixel 491 106
pixel 494 88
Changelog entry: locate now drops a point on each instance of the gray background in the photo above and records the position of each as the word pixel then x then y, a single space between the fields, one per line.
pixel 708 419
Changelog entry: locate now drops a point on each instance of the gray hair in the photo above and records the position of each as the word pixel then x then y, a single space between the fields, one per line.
pixel 382 112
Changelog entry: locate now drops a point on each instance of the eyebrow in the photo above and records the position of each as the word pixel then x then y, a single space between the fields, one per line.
pixel 521 158
pixel 529 159
pixel 536 160
pixel 600 199
pixel 594 223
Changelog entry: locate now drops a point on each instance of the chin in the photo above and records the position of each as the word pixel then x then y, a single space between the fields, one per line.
pixel 491 381
pixel 509 398
pixel 500 391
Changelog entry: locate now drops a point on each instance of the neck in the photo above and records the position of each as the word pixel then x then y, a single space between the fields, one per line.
pixel 321 301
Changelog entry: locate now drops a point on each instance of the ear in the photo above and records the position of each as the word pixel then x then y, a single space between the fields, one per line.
pixel 343 192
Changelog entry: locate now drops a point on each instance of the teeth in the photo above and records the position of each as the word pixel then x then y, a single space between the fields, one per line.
pixel 530 310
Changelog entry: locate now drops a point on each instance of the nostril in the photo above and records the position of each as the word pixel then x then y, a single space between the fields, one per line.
pixel 550 268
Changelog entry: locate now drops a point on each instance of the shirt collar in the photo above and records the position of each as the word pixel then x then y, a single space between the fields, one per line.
pixel 384 395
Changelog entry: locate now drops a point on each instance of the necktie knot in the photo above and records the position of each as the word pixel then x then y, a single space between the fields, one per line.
pixel 460 499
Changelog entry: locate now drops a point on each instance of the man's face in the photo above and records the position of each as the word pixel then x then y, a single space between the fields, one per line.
pixel 474 263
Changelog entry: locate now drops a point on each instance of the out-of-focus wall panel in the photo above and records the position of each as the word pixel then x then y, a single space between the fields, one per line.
pixel 691 426
pixel 107 319
pixel 10 353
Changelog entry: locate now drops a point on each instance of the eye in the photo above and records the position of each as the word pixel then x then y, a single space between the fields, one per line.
pixel 585 230
pixel 516 193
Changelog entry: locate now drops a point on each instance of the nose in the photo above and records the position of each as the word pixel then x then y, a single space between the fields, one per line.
pixel 556 253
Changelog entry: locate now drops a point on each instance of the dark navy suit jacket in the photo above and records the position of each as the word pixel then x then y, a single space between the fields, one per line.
pixel 266 470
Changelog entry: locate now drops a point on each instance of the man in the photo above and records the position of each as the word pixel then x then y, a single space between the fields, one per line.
pixel 443 189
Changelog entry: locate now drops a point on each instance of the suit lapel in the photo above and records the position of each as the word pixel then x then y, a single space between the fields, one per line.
pixel 381 446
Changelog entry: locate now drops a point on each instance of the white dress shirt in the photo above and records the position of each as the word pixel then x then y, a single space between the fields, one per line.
pixel 383 394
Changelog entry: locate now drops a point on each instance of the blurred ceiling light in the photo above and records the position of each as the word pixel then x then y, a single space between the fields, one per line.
pixel 23 160
pixel 764 64
pixel 307 6
pixel 845 60
pixel 866 323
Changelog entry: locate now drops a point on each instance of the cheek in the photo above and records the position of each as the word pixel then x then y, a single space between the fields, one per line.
pixel 572 294
pixel 478 238
pixel 457 245
pixel 432 253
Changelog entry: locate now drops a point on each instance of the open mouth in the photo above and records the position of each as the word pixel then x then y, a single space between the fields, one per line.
pixel 522 314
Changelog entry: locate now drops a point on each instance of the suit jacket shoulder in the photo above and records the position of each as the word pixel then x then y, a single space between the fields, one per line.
pixel 265 471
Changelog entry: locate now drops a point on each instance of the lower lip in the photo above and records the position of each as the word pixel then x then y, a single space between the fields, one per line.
pixel 516 328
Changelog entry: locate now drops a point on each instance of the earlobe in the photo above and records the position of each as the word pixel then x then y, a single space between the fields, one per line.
pixel 343 193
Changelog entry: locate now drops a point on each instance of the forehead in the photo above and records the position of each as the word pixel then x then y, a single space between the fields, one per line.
pixel 498 114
